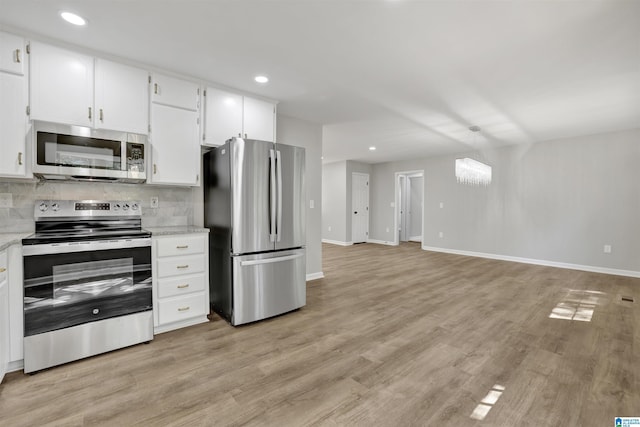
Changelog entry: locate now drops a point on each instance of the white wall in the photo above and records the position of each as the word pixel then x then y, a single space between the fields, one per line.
pixel 558 201
pixel 334 197
pixel 298 132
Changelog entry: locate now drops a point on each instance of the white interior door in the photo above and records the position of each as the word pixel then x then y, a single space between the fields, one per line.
pixel 403 229
pixel 359 207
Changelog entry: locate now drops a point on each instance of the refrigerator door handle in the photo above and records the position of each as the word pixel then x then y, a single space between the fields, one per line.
pixel 279 181
pixel 272 195
pixel 270 260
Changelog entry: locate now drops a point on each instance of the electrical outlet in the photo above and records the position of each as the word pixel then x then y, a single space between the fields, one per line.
pixel 441 205
pixel 607 249
pixel 387 229
pixel 311 204
pixel 441 234
pixel 6 200
pixel 154 202
pixel 329 228
pixel 392 204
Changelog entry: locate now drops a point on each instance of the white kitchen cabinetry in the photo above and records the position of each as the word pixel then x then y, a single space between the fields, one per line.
pixel 175 132
pixel 122 97
pixel 16 306
pixel 180 281
pixel 61 85
pixel 228 114
pixel 13 106
pixel 4 315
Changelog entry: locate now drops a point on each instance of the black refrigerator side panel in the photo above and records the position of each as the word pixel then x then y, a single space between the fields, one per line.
pixel 217 218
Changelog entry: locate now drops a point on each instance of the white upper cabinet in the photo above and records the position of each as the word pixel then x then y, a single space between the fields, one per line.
pixel 228 114
pixel 175 92
pixel 223 116
pixel 61 85
pixel 175 132
pixel 12 54
pixel 122 97
pixel 258 122
pixel 13 106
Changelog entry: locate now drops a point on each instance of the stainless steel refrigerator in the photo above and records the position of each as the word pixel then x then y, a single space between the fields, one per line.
pixel 254 207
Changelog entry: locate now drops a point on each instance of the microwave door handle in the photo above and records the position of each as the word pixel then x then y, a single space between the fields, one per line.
pixel 279 181
pixel 272 195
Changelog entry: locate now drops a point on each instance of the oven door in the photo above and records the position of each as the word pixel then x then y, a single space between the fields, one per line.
pixel 75 283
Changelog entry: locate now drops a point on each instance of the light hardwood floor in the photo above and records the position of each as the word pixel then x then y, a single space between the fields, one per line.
pixel 393 336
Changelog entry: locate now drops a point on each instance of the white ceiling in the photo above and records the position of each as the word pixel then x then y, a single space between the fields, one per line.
pixel 406 76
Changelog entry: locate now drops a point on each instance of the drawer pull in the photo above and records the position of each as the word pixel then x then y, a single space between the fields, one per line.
pixel 186 285
pixel 184 308
pixel 2 269
pixel 182 246
pixel 183 266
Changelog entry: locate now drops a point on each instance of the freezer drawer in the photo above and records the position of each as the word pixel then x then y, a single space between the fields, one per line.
pixel 266 285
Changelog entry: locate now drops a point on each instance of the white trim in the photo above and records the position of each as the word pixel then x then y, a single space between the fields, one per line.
pixel 315 276
pixel 337 242
pixel 381 242
pixel 589 268
pixel 16 365
pixel 415 239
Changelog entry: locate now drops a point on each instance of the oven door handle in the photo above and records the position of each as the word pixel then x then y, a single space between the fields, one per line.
pixel 93 245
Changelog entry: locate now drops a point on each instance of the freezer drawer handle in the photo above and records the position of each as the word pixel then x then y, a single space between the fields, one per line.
pixel 184 308
pixel 182 266
pixel 270 260
pixel 182 246
pixel 2 269
pixel 183 286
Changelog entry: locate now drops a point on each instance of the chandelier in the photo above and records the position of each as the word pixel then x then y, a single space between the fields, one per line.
pixel 473 172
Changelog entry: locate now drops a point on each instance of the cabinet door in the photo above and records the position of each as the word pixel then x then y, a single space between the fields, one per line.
pixel 61 86
pixel 12 54
pixel 175 148
pixel 13 124
pixel 175 92
pixel 122 97
pixel 223 116
pixel 258 119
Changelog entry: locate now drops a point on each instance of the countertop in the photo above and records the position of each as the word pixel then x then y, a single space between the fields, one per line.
pixel 8 239
pixel 168 231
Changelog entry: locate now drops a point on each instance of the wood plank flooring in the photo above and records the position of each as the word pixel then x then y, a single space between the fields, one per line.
pixel 392 336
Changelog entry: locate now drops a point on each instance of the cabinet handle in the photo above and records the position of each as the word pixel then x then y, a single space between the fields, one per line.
pixel 183 266
pixel 184 308
pixel 101 115
pixel 245 136
pixel 2 269
pixel 186 285
pixel 155 88
pixel 239 135
pixel 18 60
pixel 182 246
pixel 155 169
pixel 89 113
pixel 20 158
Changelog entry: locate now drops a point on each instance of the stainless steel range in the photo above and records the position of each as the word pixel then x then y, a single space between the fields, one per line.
pixel 87 281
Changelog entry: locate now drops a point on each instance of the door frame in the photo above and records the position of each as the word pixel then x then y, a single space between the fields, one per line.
pixel 396 210
pixel 368 202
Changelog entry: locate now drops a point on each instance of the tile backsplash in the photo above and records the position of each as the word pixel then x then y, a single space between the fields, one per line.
pixel 176 204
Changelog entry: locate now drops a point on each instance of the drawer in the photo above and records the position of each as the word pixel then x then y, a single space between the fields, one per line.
pixel 181 308
pixel 181 265
pixel 173 286
pixel 181 245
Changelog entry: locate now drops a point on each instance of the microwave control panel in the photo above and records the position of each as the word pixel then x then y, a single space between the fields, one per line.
pixel 135 157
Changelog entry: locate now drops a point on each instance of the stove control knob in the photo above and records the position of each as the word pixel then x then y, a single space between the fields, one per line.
pixel 116 206
pixel 43 207
pixel 55 207
pixel 125 207
pixel 134 206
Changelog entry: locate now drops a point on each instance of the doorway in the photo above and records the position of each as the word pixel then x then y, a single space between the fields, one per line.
pixel 359 207
pixel 409 204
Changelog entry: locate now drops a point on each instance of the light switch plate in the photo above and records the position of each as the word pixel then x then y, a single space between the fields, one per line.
pixel 6 200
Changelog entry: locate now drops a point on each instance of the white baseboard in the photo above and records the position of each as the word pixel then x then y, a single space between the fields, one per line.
pixel 16 365
pixel 415 239
pixel 381 242
pixel 315 276
pixel 589 268
pixel 337 242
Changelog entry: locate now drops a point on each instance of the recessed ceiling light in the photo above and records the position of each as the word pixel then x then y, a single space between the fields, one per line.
pixel 72 18
pixel 372 148
pixel 261 79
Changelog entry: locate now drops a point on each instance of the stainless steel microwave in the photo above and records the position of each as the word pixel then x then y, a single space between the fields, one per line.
pixel 82 153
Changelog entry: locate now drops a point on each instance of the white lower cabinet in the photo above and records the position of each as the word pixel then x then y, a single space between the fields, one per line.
pixel 180 280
